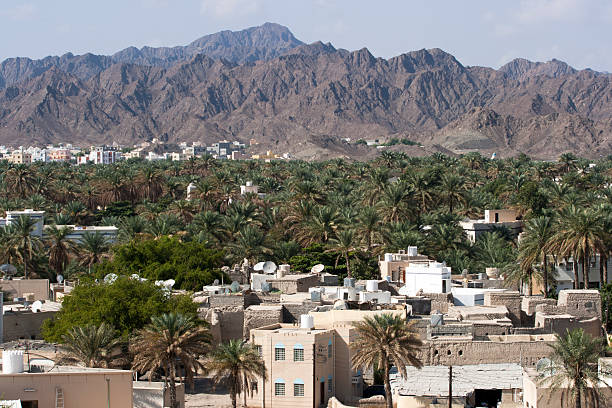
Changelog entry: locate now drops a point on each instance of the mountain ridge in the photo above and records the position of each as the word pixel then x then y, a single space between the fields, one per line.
pixel 294 95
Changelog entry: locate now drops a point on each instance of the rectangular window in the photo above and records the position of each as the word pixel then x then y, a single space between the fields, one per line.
pixel 330 387
pixel 298 354
pixel 298 390
pixel 279 389
pixel 259 350
pixel 279 354
pixel 329 351
pixel 254 387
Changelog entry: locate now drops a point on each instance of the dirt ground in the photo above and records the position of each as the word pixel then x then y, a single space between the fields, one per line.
pixel 205 395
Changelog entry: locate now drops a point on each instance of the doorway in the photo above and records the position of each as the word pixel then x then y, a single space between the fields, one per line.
pixel 29 404
pixel 487 398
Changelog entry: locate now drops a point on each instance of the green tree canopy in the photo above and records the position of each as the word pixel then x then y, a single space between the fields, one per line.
pixel 190 264
pixel 127 304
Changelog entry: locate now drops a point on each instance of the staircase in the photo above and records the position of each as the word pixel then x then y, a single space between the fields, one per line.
pixel 59 398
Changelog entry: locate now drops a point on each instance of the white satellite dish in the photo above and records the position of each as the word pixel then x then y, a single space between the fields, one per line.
pixel 259 266
pixel 216 282
pixel 110 278
pixel 135 276
pixel 60 278
pixel 318 268
pixel 269 267
pixel 37 306
pixel 169 283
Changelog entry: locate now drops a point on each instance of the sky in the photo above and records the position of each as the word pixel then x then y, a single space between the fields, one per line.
pixel 477 32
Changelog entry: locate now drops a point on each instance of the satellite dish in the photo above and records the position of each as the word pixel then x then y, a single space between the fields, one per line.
pixel 269 267
pixel 135 276
pixel 169 283
pixel 235 287
pixel 259 266
pixel 37 306
pixel 545 366
pixel 318 268
pixel 216 282
pixel 60 278
pixel 8 269
pixel 110 278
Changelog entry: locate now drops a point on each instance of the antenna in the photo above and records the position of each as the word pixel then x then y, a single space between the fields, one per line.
pixel 269 267
pixel 318 268
pixel 37 306
pixel 60 278
pixel 258 266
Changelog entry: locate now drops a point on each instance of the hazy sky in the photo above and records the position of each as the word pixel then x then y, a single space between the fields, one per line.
pixel 476 32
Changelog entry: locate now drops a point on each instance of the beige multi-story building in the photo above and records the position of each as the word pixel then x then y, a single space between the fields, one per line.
pixel 20 157
pixel 308 364
pixel 300 366
pixel 59 155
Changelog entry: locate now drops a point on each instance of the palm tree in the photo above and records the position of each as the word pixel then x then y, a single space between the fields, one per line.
pixel 169 340
pixel 369 225
pixel 20 179
pixel 384 340
pixel 579 234
pixel 452 189
pixel 343 243
pixel 250 244
pixel 91 247
pixel 240 364
pixel 534 243
pixel 575 359
pixel 92 346
pixel 25 243
pixel 150 182
pixel 60 248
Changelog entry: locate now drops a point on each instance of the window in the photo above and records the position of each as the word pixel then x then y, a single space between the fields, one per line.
pixel 329 349
pixel 259 350
pixel 254 387
pixel 298 352
pixel 279 388
pixel 330 386
pixel 279 352
pixel 298 388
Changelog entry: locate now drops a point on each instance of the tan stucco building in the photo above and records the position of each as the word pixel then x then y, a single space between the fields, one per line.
pixel 77 387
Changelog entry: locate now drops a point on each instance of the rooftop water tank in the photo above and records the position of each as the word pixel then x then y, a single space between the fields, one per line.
pixel 249 183
pixel 315 296
pixel 306 321
pixel 371 286
pixel 12 362
pixel 412 251
pixel 349 282
pixel 388 257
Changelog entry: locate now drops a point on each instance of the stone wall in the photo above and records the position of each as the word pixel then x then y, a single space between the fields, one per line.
pixel 259 316
pixel 293 311
pixel 581 303
pixel 17 287
pixel 24 325
pixel 295 284
pixel 560 324
pixel 225 323
pixel 440 301
pixel 510 299
pixel 462 352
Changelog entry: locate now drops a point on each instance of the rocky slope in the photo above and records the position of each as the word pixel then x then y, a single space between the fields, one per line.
pixel 263 84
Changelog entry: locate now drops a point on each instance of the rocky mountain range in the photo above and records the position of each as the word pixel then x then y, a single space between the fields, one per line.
pixel 264 84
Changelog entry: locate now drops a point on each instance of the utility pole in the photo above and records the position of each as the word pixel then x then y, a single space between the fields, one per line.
pixel 450 386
